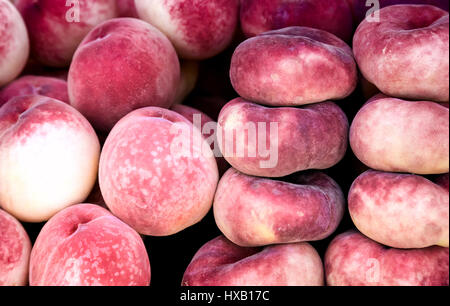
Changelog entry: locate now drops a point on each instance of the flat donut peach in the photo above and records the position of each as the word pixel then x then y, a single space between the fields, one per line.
pixel 355 260
pixel 395 135
pixel 275 142
pixel 400 210
pixel 293 66
pixel 406 53
pixel 252 211
pixel 221 263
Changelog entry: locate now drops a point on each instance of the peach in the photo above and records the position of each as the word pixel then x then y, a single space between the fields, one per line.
pixel 15 248
pixel 122 65
pixel 395 135
pixel 157 172
pixel 222 263
pixel 14 43
pixel 48 157
pixel 334 16
pixel 354 260
pixel 293 66
pixel 406 53
pixel 35 85
pixel 252 211
pixel 56 27
pixel 85 245
pixel 189 71
pixel 443 181
pixel 400 210
pixel 127 8
pixel 275 142
pixel 198 29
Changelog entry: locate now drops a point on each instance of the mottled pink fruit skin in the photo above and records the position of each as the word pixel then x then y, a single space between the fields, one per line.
pixel 85 245
pixel 354 260
pixel 311 137
pixel 14 43
pixel 252 211
pixel 397 135
pixel 334 16
pixel 222 263
pixel 293 66
pixel 149 181
pixel 127 8
pixel 406 53
pixel 198 29
pixel 54 34
pixel 15 248
pixel 122 65
pixel 400 210
pixel 360 9
pixel 35 85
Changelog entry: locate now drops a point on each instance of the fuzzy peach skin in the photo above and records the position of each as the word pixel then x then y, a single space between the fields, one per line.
pixel 189 71
pixel 56 27
pixel 15 248
pixel 355 260
pixel 406 53
pixel 334 16
pixel 222 263
pixel 35 85
pixel 293 66
pixel 14 43
pixel 252 211
pixel 127 8
pixel 361 8
pixel 48 157
pixel 85 245
pixel 198 29
pixel 157 172
pixel 396 135
pixel 275 142
pixel 400 210
pixel 122 65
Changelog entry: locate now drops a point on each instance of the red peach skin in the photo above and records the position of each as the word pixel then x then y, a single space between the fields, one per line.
pixel 48 157
pixel 122 65
pixel 334 16
pixel 56 27
pixel 127 8
pixel 222 263
pixel 400 210
pixel 293 66
pixel 198 29
pixel 15 248
pixel 396 135
pixel 150 181
pixel 406 53
pixel 354 260
pixel 296 139
pixel 85 245
pixel 35 85
pixel 252 211
pixel 14 43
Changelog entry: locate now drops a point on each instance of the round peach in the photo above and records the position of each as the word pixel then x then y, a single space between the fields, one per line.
pixel 157 173
pixel 275 142
pixel 198 29
pixel 35 85
pixel 15 248
pixel 293 66
pixel 56 27
pixel 354 260
pixel 108 80
pixel 14 43
pixel 400 210
pixel 85 245
pixel 222 263
pixel 48 157
pixel 396 135
pixel 252 211
pixel 406 53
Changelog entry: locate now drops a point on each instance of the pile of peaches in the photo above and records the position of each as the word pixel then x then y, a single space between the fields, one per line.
pixel 127 119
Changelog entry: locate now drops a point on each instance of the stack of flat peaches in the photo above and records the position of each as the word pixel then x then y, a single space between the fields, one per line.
pixel 306 141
